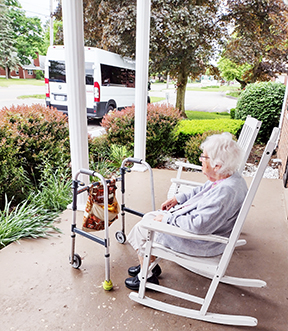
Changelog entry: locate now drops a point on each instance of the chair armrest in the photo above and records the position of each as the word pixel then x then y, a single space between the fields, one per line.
pixel 185 182
pixel 188 165
pixel 178 232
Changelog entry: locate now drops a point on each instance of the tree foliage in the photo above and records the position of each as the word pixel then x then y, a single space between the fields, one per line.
pixel 229 70
pixel 27 32
pixel 259 37
pixel 93 26
pixel 8 58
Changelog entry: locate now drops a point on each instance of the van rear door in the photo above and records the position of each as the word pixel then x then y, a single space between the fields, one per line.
pixel 57 85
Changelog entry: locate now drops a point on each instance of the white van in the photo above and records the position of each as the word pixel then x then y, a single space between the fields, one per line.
pixel 110 81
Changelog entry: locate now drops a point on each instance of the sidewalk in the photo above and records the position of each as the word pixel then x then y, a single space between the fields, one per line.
pixel 41 291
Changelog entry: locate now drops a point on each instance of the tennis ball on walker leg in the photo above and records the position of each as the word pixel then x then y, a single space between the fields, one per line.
pixel 107 285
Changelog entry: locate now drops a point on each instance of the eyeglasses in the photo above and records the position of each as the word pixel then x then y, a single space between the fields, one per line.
pixel 202 157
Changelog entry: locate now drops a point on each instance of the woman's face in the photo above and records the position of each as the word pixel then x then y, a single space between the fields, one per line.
pixel 206 167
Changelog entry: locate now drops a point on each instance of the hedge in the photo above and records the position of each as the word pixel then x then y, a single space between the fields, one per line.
pixel 188 128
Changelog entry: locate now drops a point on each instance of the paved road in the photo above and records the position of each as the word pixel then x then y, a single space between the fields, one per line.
pixel 8 95
pixel 201 101
pixel 196 100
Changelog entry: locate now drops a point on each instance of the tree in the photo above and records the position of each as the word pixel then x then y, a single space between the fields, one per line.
pixel 57 35
pixel 8 58
pixel 259 37
pixel 183 36
pixel 92 24
pixel 27 32
pixel 229 70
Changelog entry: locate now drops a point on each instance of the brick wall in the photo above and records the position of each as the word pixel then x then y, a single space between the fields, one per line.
pixel 282 152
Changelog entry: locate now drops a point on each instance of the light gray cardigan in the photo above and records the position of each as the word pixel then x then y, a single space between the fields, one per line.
pixel 206 210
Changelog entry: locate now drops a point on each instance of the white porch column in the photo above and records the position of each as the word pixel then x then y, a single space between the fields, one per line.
pixel 75 77
pixel 142 59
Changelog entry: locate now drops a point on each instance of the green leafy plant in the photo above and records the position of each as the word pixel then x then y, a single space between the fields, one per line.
pixel 264 102
pixel 54 191
pixel 26 220
pixel 103 167
pixel 118 154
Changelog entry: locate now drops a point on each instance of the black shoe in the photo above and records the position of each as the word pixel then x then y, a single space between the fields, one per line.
pixel 133 271
pixel 133 283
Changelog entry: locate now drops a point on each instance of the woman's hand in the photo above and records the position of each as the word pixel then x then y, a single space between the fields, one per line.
pixel 168 204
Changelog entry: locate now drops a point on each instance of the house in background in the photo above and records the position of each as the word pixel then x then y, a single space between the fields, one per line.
pixel 27 71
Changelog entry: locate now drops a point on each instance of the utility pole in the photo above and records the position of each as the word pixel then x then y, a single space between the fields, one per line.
pixel 51 24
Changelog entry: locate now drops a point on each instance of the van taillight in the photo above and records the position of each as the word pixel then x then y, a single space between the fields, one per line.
pixel 96 92
pixel 47 87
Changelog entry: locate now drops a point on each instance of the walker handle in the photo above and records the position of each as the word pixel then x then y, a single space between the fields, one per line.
pixel 134 159
pixel 87 172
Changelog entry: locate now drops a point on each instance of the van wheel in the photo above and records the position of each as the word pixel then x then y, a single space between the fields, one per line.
pixel 110 109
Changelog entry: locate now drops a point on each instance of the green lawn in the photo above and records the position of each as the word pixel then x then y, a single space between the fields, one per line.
pixel 35 96
pixel 15 81
pixel 156 99
pixel 202 115
pixel 223 88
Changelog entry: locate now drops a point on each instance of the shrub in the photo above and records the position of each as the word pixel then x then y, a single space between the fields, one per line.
pixel 11 173
pixel 161 121
pixel 39 74
pixel 232 113
pixel 264 102
pixel 192 146
pixel 187 129
pixel 98 147
pixel 29 135
pixel 119 127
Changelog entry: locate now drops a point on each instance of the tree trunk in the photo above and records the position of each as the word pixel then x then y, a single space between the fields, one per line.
pixel 7 72
pixel 242 83
pixel 181 89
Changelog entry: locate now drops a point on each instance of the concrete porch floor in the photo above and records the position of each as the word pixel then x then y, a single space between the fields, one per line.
pixel 41 291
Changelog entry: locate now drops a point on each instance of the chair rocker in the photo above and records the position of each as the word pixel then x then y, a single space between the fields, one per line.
pixel 246 141
pixel 213 268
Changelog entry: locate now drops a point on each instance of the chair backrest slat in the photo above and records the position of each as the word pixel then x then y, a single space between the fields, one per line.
pixel 247 138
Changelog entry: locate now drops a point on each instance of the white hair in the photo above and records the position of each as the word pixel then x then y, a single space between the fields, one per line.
pixel 224 152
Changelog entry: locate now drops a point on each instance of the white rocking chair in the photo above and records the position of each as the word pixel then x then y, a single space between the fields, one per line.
pixel 246 141
pixel 213 268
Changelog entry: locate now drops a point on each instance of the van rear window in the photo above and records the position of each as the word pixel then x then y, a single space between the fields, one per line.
pixel 57 72
pixel 116 76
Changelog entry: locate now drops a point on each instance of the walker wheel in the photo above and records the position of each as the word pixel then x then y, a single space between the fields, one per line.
pixel 76 261
pixel 120 236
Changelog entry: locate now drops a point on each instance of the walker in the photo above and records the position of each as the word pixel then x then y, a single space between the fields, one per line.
pixel 120 235
pixel 75 259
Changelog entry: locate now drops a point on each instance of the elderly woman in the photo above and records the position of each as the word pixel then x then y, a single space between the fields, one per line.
pixel 208 209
